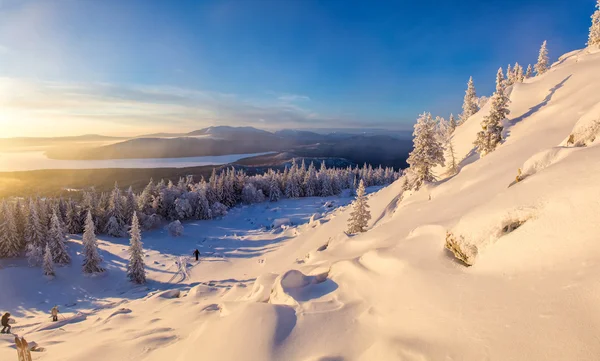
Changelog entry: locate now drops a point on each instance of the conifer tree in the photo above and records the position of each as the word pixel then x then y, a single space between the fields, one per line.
pixel 136 269
pixel 360 215
pixel 203 210
pixel 529 72
pixel 56 241
pixel 48 264
pixel 470 102
pixel 451 157
pixel 91 260
pixel 519 76
pixel 452 124
pixel 491 134
pixel 130 205
pixel 34 236
pixel 274 191
pixel 427 150
pixel 116 218
pixel 594 37
pixel 543 62
pixel 509 76
pixel 10 244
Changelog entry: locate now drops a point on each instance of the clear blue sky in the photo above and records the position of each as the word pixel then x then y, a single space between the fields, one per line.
pixel 131 66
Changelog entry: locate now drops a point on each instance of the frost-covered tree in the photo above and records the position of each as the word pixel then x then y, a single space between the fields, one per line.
pixel 203 210
pixel 360 215
pixel 10 244
pixel 136 270
pixel 543 62
pixel 218 210
pixel 519 75
pixel 491 134
pixel 56 241
pixel 451 158
pixel 594 37
pixel 183 208
pixel 48 264
pixel 529 72
pixel 250 194
pixel 510 76
pixel 130 206
pixel 452 123
pixel 145 198
pixel 175 228
pixel 116 217
pixel 427 150
pixel 73 219
pixel 274 190
pixel 91 258
pixel 311 183
pixel 470 102
pixel 34 236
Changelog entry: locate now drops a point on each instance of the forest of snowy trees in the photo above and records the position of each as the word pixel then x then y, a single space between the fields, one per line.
pixel 37 226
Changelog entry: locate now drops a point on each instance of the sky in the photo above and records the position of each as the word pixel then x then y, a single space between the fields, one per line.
pixel 114 67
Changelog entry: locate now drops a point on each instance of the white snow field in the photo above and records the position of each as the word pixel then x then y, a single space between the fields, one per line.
pixel 309 292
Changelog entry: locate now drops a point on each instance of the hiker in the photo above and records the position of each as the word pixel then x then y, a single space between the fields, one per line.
pixel 54 312
pixel 5 325
pixel 196 253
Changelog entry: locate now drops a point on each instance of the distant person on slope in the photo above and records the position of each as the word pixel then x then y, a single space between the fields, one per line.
pixel 5 325
pixel 54 312
pixel 196 253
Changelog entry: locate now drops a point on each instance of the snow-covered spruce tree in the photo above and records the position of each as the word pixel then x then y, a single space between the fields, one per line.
pixel 203 210
pixel 91 258
pixel 34 236
pixel 427 150
pixel 183 208
pixel 594 37
pixel 274 190
pixel 360 215
pixel 10 244
pixel 131 205
pixel 510 76
pixel 529 72
pixel 56 241
pixel 73 220
pixel 311 183
pixel 470 102
pixel 452 123
pixel 48 264
pixel 543 62
pixel 136 271
pixel 491 134
pixel 451 158
pixel 116 217
pixel 519 76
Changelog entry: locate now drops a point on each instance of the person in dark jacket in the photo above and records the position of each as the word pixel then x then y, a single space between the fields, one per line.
pixel 196 253
pixel 5 325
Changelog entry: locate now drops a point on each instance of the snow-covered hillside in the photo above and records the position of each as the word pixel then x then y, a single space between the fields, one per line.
pixel 312 293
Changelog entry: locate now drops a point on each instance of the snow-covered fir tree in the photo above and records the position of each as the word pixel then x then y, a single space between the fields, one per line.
pixel 452 123
pixel 34 236
pixel 427 150
pixel 360 215
pixel 136 270
pixel 491 134
pixel 116 217
pixel 203 210
pixel 470 102
pixel 73 219
pixel 451 158
pixel 130 205
pixel 311 182
pixel 519 76
pixel 529 72
pixel 510 76
pixel 56 241
pixel 274 190
pixel 594 37
pixel 543 62
pixel 10 244
pixel 48 264
pixel 91 259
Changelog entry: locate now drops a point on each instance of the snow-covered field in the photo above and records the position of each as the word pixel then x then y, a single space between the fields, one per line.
pixel 34 160
pixel 312 293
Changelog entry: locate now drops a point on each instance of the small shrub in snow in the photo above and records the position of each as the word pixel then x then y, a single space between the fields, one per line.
pixel 219 210
pixel 175 228
pixel 152 221
pixel 461 250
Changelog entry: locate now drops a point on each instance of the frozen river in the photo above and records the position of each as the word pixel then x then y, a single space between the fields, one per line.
pixel 34 160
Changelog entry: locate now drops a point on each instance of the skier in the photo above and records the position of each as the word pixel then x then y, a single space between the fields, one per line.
pixel 54 313
pixel 5 325
pixel 196 253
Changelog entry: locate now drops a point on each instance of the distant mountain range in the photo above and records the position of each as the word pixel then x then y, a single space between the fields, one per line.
pixel 358 147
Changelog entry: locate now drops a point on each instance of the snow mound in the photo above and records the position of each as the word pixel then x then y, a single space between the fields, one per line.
pixel 586 130
pixel 294 287
pixel 168 294
pixel 279 222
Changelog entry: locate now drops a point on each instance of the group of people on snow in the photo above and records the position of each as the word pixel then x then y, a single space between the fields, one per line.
pixel 5 322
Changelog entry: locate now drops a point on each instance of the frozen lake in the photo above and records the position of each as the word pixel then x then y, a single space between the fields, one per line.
pixel 35 160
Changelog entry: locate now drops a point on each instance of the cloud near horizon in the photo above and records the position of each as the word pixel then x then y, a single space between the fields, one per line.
pixel 44 108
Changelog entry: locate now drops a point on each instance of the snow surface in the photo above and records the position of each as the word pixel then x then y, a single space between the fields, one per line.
pixel 34 160
pixel 312 293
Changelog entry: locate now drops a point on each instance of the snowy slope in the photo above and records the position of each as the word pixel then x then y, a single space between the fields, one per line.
pixel 392 293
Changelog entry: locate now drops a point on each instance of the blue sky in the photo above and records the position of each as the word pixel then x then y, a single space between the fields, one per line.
pixel 116 67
